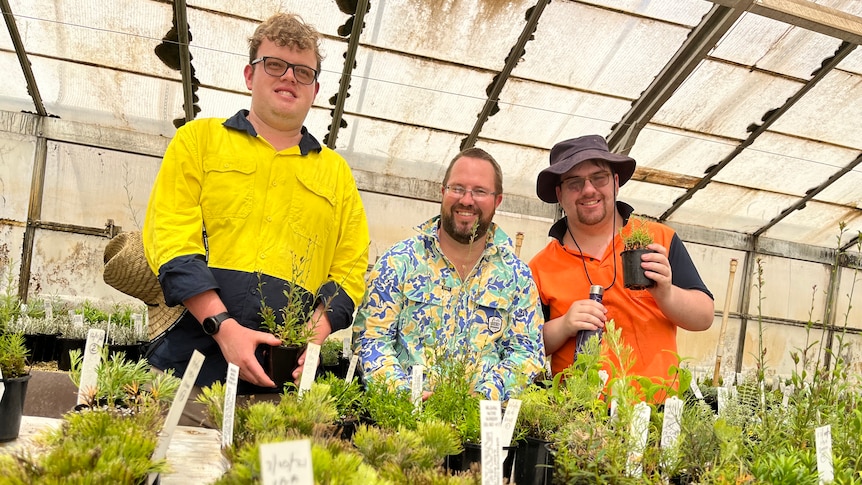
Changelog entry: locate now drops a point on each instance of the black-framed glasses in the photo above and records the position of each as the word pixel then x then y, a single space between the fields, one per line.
pixel 576 184
pixel 459 191
pixel 277 67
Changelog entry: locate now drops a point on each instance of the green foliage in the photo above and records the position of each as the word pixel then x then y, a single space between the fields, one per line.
pixel 13 355
pixel 348 396
pixel 330 352
pixel 124 383
pixel 95 446
pixel 292 328
pixel 400 454
pixel 453 399
pixel 638 237
pixel 390 409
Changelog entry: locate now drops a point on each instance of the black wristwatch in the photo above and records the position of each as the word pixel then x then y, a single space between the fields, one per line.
pixel 212 324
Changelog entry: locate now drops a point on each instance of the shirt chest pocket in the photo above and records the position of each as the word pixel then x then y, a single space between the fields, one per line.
pixel 228 188
pixel 312 206
pixel 491 317
pixel 423 311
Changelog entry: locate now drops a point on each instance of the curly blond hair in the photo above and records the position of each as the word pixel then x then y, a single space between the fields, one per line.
pixel 286 29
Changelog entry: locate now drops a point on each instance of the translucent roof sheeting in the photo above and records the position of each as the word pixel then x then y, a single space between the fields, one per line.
pixel 746 121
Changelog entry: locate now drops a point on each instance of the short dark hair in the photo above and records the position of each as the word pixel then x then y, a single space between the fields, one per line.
pixel 481 155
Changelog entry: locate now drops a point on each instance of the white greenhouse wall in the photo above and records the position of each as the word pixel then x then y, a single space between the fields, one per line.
pixel 92 176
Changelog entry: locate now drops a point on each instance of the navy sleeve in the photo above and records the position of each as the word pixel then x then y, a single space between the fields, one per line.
pixel 685 274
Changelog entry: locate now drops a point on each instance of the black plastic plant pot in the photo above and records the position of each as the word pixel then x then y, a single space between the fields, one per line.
pixel 473 454
pixel 280 362
pixel 633 274
pixel 132 352
pixel 64 362
pixel 534 462
pixel 12 407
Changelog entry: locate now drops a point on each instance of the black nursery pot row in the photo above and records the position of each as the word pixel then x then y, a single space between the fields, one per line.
pixel 52 347
pixel 529 462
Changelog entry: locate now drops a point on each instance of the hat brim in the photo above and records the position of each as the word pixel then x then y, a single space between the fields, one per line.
pixel 161 318
pixel 549 178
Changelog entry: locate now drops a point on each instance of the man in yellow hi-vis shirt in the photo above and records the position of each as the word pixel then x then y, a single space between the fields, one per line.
pixel 238 201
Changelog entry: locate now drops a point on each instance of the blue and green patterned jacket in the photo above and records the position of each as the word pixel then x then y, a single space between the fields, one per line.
pixel 417 310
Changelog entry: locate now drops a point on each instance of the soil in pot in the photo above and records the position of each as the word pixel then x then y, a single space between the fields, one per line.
pixel 12 407
pixel 633 274
pixel 280 362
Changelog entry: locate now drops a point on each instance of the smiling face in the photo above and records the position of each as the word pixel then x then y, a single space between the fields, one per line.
pixel 590 205
pixel 459 214
pixel 280 103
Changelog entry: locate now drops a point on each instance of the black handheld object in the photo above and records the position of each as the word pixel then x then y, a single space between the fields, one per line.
pixel 596 292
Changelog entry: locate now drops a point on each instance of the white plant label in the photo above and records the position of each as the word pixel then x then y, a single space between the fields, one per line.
pixel 492 447
pixel 785 399
pixel 288 462
pixel 722 395
pixel 231 383
pixel 603 375
pixel 138 323
pixel 671 424
pixel 309 369
pixel 351 369
pixel 696 389
pixel 638 430
pixel 92 356
pixel 77 320
pixel 417 374
pixel 2 386
pixel 346 351
pixel 173 417
pixel 513 408
pixel 49 311
pixel 823 444
pixel 739 378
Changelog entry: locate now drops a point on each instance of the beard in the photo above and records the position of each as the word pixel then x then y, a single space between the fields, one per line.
pixel 465 234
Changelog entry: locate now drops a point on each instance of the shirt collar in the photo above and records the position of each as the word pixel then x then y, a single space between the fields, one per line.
pixel 240 122
pixel 496 241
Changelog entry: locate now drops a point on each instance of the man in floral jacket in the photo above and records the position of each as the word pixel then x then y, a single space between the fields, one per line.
pixel 455 292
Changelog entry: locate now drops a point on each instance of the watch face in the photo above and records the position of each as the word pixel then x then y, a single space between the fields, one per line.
pixel 210 325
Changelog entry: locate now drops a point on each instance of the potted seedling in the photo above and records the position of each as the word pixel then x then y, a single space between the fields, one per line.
pixel 13 360
pixel 290 325
pixel 16 374
pixel 636 237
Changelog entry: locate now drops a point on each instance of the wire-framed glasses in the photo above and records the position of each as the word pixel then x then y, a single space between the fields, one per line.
pixel 576 184
pixel 458 191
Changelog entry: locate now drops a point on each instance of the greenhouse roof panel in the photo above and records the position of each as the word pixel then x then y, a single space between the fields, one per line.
pixel 741 121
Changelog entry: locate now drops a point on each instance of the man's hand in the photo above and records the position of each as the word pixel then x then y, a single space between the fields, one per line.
pixel 319 322
pixel 584 315
pixel 238 344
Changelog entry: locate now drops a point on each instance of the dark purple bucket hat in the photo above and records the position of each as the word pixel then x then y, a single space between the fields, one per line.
pixel 566 154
